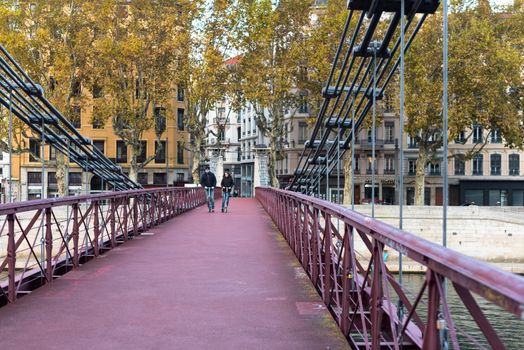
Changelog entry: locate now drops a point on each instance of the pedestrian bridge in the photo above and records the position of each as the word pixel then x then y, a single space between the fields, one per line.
pixel 152 269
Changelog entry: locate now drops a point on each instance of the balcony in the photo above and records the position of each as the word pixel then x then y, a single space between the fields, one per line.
pixel 389 171
pixel 367 143
pixel 369 171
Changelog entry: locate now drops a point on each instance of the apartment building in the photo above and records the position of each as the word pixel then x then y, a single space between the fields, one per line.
pixel 492 177
pixel 171 166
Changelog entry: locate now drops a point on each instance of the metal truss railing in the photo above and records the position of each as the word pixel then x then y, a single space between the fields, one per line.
pixel 343 253
pixel 25 99
pixel 365 63
pixel 42 239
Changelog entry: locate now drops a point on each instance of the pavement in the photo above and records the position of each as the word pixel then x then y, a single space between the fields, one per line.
pixel 200 281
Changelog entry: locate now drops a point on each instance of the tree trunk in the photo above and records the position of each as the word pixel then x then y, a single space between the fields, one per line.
pixel 61 175
pixel 348 179
pixel 195 166
pixel 272 160
pixel 133 169
pixel 420 175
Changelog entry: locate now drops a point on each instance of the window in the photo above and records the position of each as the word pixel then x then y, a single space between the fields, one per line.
pixel 389 165
pixel 160 154
pixel 1 155
pixel 302 132
pixel 180 118
pixel 121 151
pixel 51 178
pixel 460 165
pixel 434 168
pixel 142 156
pixel 159 179
pixel 412 142
pixel 76 117
pixel 477 133
pixel 389 132
pixel 239 154
pixel 34 149
pixel 142 178
pixel 303 107
pixel 34 178
pixel 495 160
pixel 412 166
pixel 238 133
pixel 76 88
pixel 96 91
pixel 180 93
pixel 75 179
pixel 52 153
pixel 461 137
pixel 221 114
pixel 357 165
pixel 100 144
pixel 96 120
pixel 370 136
pixel 495 136
pixel 474 197
pixel 179 153
pixel 179 177
pixel 477 164
pixel 160 119
pixel 514 164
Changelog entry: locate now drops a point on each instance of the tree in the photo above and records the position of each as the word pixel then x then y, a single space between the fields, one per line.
pixel 265 35
pixel 52 41
pixel 484 69
pixel 141 48
pixel 206 78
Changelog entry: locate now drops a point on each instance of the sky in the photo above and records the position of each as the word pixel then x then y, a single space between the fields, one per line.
pixel 502 2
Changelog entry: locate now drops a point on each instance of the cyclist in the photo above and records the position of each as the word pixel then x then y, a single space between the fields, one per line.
pixel 209 181
pixel 227 187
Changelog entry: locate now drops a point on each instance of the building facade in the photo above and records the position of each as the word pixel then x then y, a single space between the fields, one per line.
pixel 171 166
pixel 492 177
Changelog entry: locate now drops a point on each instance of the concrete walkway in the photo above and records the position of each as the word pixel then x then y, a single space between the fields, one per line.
pixel 201 281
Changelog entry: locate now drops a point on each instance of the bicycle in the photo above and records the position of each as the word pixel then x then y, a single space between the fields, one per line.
pixel 226 194
pixel 209 198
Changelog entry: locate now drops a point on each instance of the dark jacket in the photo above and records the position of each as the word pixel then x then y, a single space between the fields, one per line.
pixel 227 182
pixel 208 180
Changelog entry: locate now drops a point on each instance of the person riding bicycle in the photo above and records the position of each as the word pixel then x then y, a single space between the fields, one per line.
pixel 227 187
pixel 209 181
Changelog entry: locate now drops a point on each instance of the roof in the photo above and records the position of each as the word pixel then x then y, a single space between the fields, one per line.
pixel 233 60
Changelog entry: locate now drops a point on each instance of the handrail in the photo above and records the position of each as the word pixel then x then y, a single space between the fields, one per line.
pixel 46 238
pixel 297 215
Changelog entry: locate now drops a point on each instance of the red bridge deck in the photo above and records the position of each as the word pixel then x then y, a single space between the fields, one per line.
pixel 201 281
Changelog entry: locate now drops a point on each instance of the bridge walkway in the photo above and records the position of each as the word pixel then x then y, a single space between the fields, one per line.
pixel 199 281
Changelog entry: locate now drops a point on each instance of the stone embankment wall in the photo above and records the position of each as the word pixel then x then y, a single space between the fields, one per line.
pixel 491 234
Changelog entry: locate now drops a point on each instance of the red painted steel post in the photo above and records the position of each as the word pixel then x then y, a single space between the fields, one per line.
pixel 96 224
pixel 376 296
pixel 135 216
pixel 76 259
pixel 314 248
pixel 11 258
pixel 48 246
pixel 305 241
pixel 125 201
pixel 152 209
pixel 113 223
pixel 143 198
pixel 431 333
pixel 346 275
pixel 326 293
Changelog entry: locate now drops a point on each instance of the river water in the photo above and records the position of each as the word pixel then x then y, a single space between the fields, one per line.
pixel 509 328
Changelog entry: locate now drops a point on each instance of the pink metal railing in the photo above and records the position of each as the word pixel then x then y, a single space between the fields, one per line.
pixel 41 239
pixel 363 295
